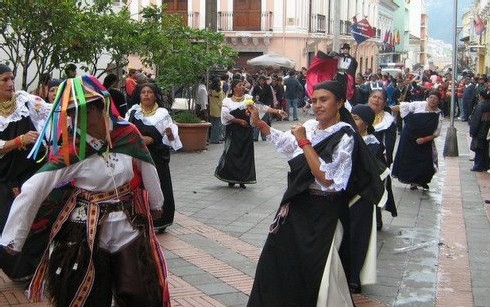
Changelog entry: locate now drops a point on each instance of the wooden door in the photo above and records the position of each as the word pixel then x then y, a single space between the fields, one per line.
pixel 177 7
pixel 246 15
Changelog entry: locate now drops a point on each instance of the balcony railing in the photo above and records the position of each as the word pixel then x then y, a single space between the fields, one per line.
pixel 193 19
pixel 318 23
pixel 245 21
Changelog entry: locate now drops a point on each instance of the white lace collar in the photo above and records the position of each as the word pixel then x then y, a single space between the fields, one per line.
pixel 159 115
pixel 316 135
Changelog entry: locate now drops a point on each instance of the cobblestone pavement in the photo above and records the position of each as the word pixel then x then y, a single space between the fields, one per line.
pixel 436 252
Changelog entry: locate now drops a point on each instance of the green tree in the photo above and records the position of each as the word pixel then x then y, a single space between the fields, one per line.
pixel 48 34
pixel 180 54
pixel 32 35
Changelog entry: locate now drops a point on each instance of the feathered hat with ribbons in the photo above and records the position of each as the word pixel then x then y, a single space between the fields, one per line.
pixel 74 93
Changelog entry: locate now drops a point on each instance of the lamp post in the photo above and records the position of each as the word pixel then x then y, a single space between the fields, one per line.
pixel 451 143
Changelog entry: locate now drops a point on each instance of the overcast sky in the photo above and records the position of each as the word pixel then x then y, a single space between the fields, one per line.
pixel 439 13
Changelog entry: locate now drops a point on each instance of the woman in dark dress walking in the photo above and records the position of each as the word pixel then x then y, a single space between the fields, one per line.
pixel 160 135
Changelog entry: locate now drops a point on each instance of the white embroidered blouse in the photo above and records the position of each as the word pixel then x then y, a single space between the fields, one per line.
pixel 161 120
pixel 338 170
pixel 96 173
pixel 420 107
pixel 230 105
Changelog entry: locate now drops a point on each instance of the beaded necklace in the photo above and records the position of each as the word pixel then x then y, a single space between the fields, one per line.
pixel 150 112
pixel 7 107
pixel 237 99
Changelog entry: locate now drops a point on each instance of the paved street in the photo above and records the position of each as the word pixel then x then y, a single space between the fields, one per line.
pixel 435 253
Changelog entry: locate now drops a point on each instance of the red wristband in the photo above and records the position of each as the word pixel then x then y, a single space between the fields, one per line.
pixel 261 124
pixel 303 142
pixel 18 141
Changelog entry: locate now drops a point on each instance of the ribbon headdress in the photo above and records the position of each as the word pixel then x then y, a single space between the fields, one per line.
pixel 74 93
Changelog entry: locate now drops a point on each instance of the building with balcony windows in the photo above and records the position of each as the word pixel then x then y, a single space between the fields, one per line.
pixel 474 55
pixel 296 29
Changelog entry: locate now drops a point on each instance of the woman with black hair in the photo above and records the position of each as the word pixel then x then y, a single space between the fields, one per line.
pixel 305 260
pixel 416 157
pixel 237 163
pixel 160 134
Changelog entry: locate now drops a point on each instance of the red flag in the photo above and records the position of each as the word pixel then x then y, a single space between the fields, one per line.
pixel 322 68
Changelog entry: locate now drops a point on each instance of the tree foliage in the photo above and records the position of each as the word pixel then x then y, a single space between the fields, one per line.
pixel 180 54
pixel 46 35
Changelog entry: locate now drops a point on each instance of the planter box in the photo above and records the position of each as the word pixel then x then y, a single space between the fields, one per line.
pixel 193 136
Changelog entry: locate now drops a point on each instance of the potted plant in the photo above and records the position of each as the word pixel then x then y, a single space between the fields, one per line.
pixel 193 131
pixel 189 54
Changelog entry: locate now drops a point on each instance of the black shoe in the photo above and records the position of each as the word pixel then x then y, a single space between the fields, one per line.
pixel 477 170
pixel 413 187
pixel 242 186
pixel 487 201
pixel 231 184
pixel 160 225
pixel 355 288
pixel 425 187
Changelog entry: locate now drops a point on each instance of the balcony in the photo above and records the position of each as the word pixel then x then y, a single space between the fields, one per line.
pixel 245 21
pixel 318 23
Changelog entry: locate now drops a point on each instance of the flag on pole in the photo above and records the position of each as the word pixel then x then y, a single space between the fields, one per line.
pixel 478 24
pixel 361 30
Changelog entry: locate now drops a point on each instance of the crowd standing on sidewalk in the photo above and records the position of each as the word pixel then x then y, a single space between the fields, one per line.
pixel 410 105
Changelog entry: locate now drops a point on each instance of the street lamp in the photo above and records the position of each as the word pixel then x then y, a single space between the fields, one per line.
pixel 451 144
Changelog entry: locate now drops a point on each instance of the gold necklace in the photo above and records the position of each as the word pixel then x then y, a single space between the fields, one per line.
pixel 378 118
pixel 7 107
pixel 237 99
pixel 151 112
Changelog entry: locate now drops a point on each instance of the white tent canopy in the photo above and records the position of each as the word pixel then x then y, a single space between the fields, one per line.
pixel 272 59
